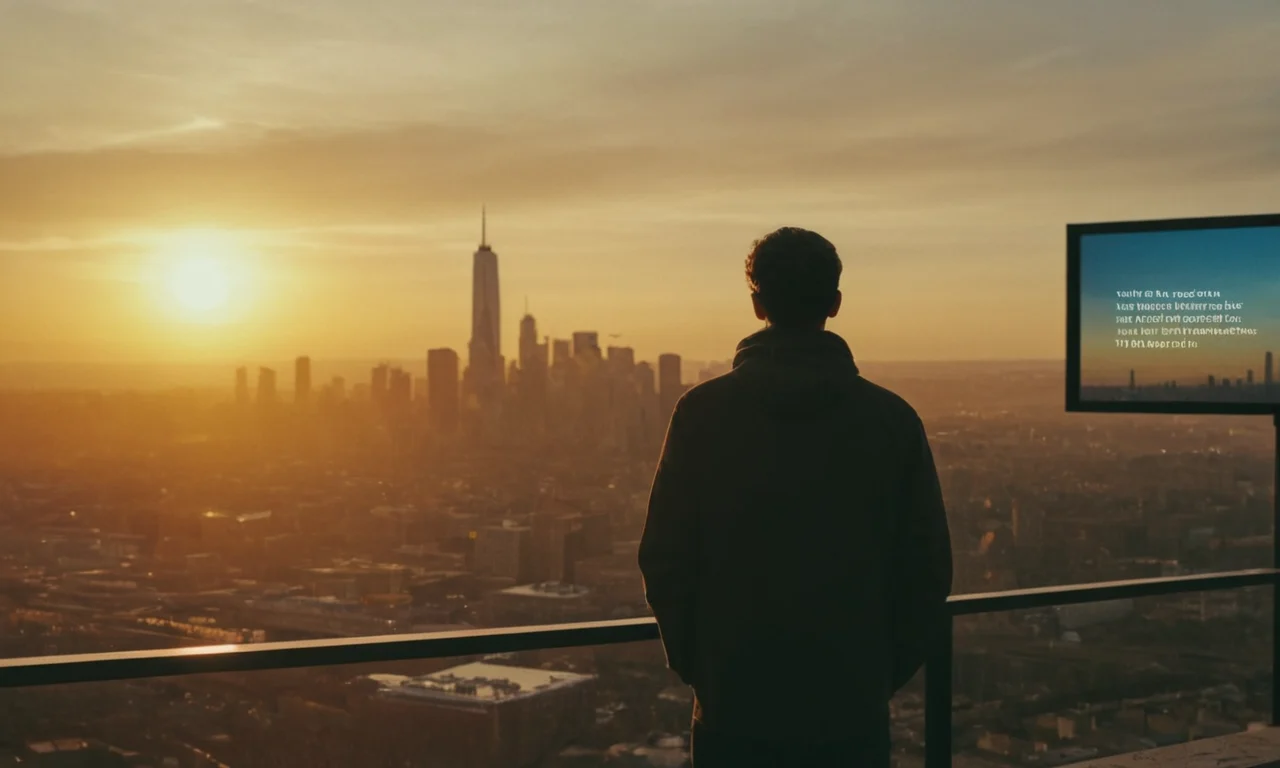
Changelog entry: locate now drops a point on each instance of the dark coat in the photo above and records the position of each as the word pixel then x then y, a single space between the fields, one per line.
pixel 796 554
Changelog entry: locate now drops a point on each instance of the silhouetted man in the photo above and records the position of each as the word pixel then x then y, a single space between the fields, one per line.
pixel 796 554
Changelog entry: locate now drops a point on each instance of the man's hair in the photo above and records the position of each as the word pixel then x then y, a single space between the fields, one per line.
pixel 796 275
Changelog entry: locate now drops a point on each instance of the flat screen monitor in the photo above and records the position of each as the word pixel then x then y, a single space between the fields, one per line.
pixel 1175 316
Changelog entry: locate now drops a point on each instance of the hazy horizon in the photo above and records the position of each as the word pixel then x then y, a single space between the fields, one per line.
pixel 154 376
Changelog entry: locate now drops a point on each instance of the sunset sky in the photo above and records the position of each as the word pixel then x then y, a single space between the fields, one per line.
pixel 332 158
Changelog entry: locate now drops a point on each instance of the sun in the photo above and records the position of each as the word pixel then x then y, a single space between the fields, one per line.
pixel 199 284
pixel 199 270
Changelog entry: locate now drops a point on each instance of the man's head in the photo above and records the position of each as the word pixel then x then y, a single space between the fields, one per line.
pixel 794 275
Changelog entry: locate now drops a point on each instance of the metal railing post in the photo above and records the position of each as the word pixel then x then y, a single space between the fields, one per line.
pixel 1275 582
pixel 937 700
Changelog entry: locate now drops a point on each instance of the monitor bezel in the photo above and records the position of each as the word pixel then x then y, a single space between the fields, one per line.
pixel 1074 234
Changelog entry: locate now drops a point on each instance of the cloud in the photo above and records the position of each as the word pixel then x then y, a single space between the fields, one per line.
pixel 305 115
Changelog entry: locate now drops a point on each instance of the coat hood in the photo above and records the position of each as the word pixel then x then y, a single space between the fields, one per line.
pixel 801 374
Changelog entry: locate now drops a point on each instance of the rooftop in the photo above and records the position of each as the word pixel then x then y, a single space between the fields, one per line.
pixel 1253 749
pixel 478 681
pixel 548 589
pixel 355 568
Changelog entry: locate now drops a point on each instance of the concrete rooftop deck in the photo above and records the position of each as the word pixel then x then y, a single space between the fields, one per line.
pixel 1255 749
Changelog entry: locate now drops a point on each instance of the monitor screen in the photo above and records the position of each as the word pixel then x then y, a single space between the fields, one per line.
pixel 1179 316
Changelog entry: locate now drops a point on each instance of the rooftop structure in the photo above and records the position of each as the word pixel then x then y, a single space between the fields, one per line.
pixel 551 590
pixel 477 682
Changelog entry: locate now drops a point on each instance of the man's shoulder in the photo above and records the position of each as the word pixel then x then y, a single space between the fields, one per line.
pixel 730 386
pixel 713 386
pixel 710 391
pixel 892 402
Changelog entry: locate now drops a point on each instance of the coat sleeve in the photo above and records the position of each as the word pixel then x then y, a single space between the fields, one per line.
pixel 668 546
pixel 922 563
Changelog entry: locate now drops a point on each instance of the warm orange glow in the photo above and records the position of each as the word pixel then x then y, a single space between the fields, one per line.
pixel 201 269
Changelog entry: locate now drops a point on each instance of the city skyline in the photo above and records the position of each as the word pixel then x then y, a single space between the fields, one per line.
pixel 485 323
pixel 1249 385
pixel 630 157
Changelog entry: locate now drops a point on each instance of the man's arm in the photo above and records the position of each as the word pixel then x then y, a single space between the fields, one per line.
pixel 668 547
pixel 922 563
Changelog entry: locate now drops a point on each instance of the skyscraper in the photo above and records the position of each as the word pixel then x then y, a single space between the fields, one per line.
pixel 442 391
pixel 528 340
pixel 561 351
pixel 649 428
pixel 399 391
pixel 533 372
pixel 670 386
pixel 266 386
pixel 622 360
pixel 1267 371
pixel 302 380
pixel 586 345
pixel 379 381
pixel 485 349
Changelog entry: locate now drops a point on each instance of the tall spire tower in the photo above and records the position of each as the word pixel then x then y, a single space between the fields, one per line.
pixel 485 349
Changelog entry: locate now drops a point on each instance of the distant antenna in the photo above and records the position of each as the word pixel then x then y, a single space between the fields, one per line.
pixel 526 304
pixel 484 240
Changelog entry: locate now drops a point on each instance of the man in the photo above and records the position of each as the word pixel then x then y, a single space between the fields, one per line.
pixel 796 553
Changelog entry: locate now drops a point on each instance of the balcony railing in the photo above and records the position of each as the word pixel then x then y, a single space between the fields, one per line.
pixel 98 667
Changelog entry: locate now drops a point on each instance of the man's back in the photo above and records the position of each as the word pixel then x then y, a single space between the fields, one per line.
pixel 796 554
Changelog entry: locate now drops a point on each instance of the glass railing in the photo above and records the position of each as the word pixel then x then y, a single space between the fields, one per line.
pixel 1079 688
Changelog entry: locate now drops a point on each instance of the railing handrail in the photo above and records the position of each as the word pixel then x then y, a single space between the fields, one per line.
pixel 249 657
pixel 1095 592
pixel 127 665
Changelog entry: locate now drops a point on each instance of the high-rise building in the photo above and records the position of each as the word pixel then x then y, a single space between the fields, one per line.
pixel 443 399
pixel 648 429
pixel 266 386
pixel 379 380
pixel 528 341
pixel 1267 371
pixel 549 528
pixel 622 398
pixel 479 714
pixel 597 529
pixel 622 360
pixel 586 345
pixel 485 350
pixel 242 385
pixel 533 373
pixel 561 352
pixel 645 379
pixel 506 551
pixel 399 390
pixel 302 380
pixel 670 385
pixel 1133 381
